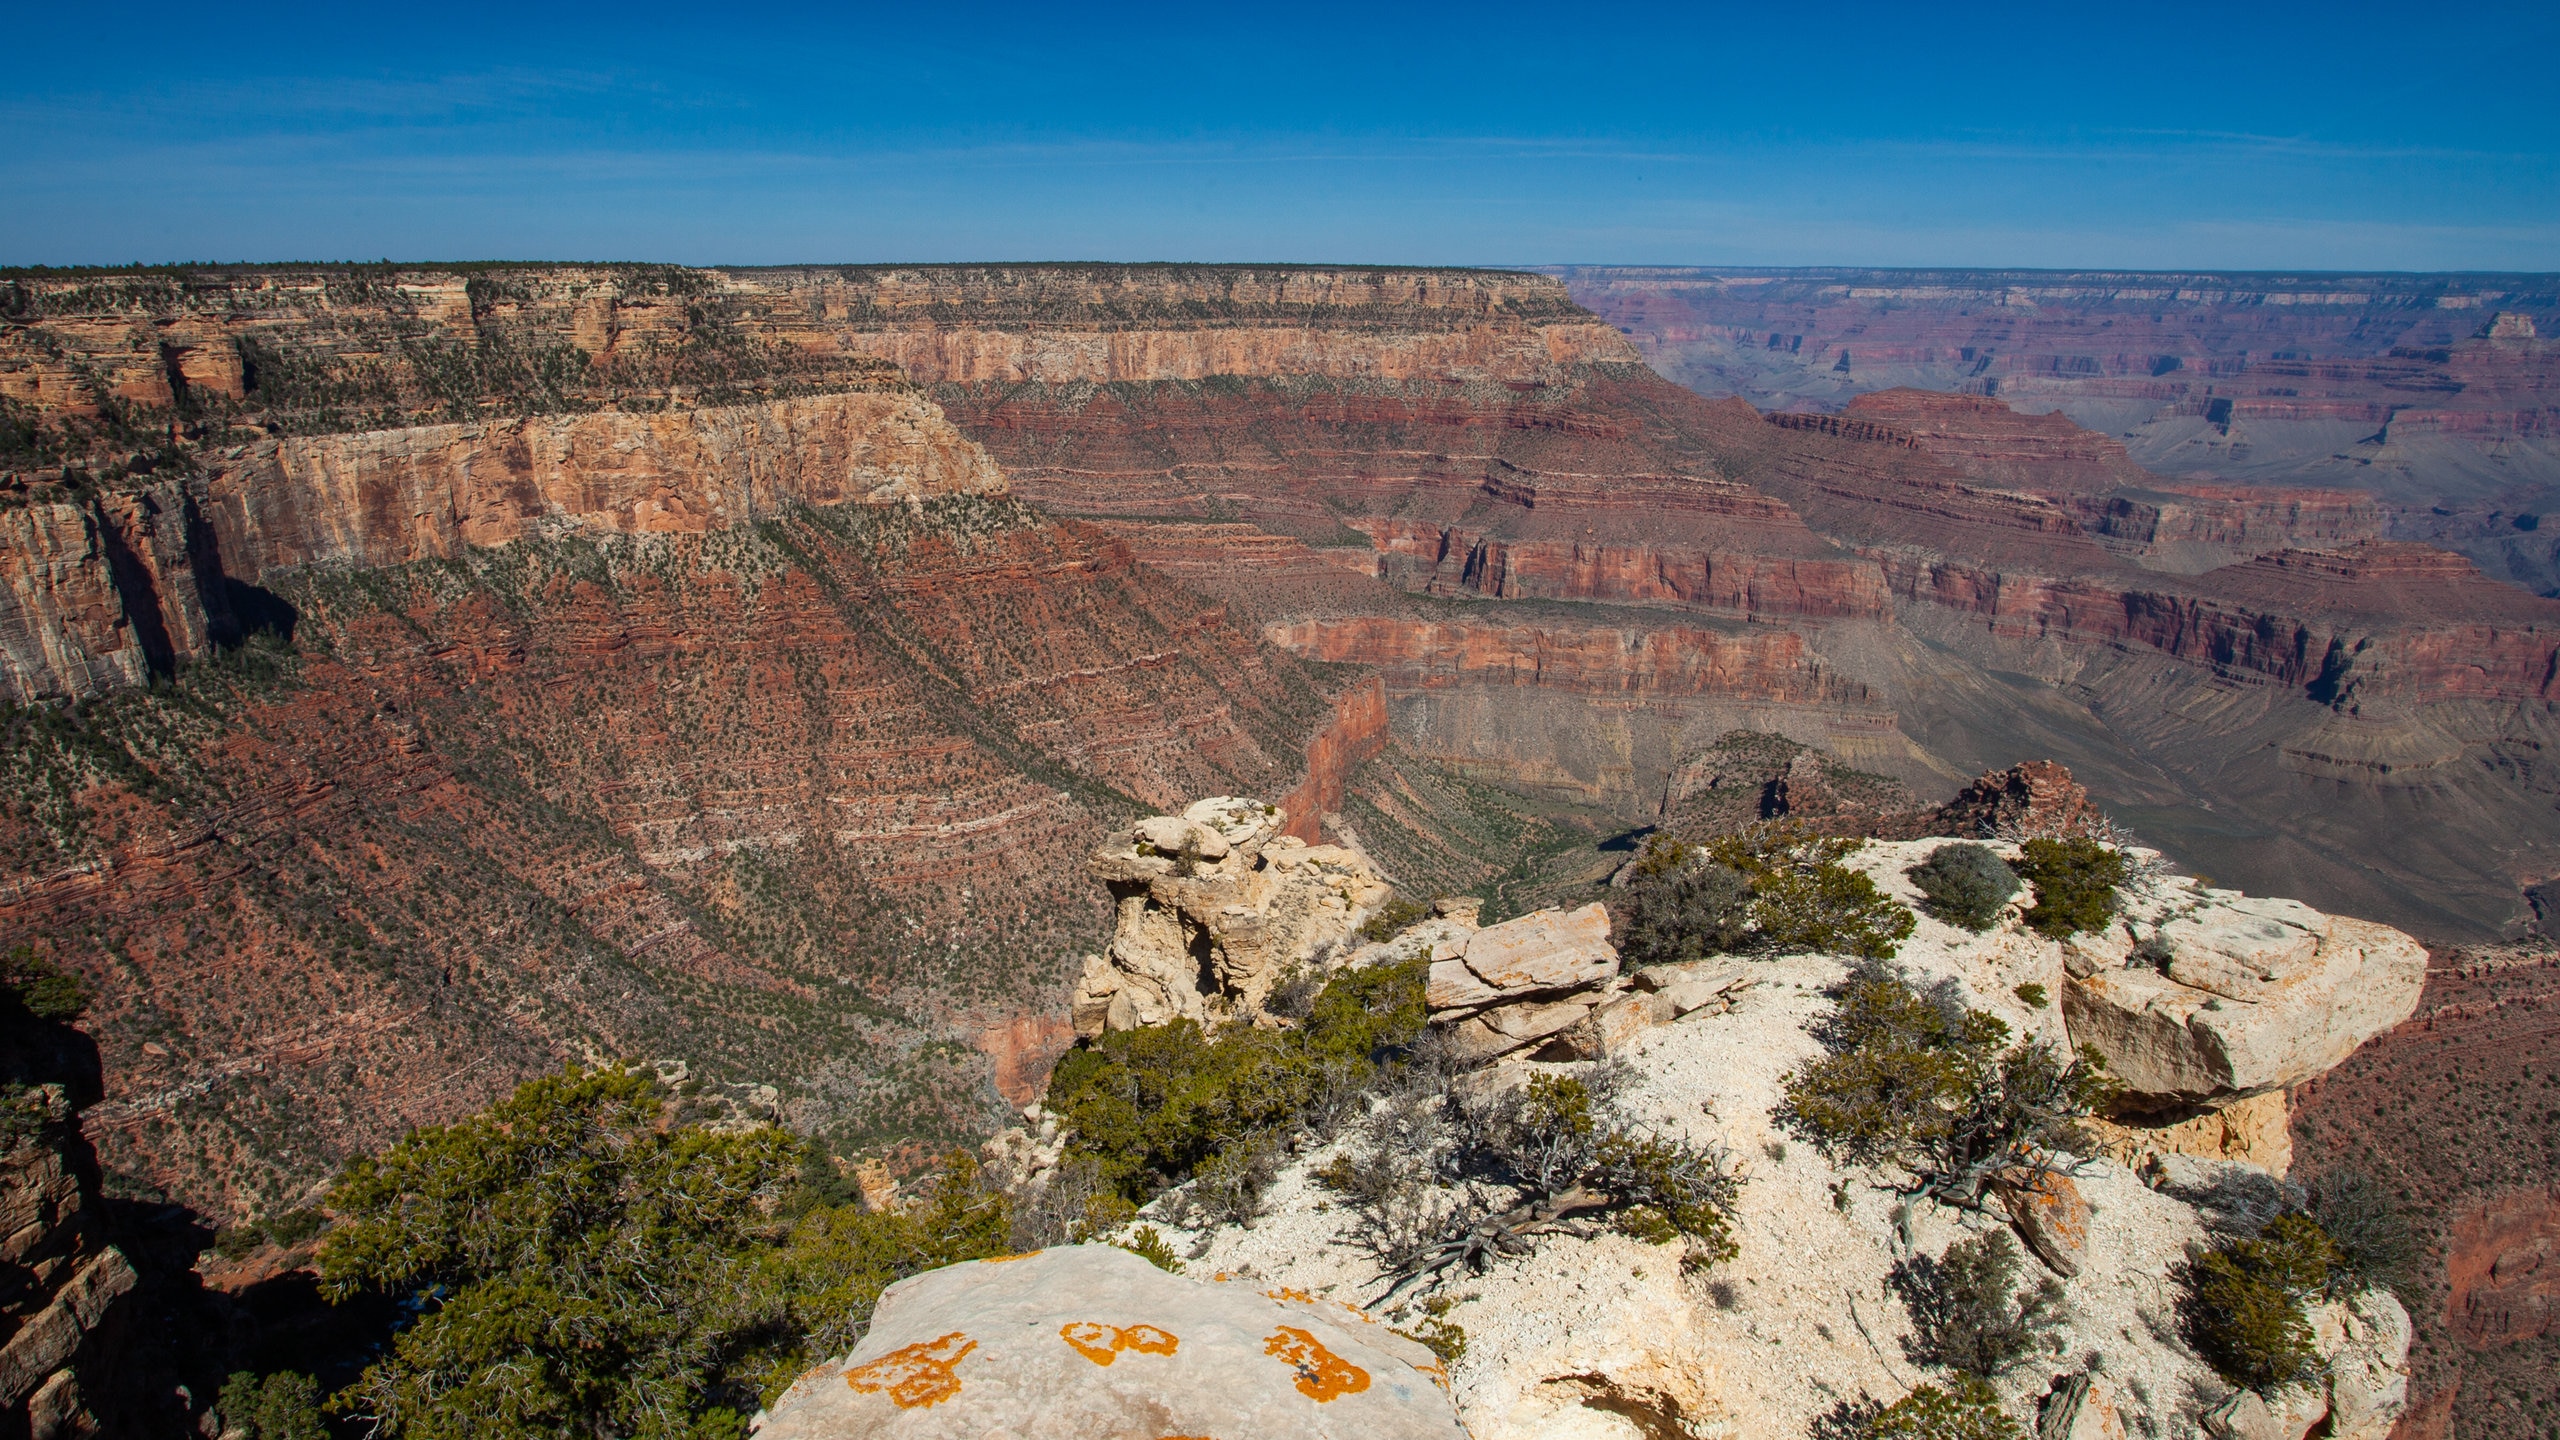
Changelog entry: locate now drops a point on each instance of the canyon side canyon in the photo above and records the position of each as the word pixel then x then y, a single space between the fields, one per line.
pixel 423 677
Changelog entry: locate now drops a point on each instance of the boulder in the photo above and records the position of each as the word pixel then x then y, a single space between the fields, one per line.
pixel 1091 1342
pixel 1694 986
pixel 2254 996
pixel 1615 1025
pixel 2366 1342
pixel 2079 1408
pixel 1215 905
pixel 2245 1416
pixel 1544 950
pixel 2052 1217
pixel 1173 834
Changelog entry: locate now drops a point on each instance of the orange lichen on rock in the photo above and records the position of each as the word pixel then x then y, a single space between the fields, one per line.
pixel 1102 1344
pixel 1322 1375
pixel 918 1375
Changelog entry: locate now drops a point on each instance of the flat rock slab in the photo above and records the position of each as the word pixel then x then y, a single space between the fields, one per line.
pixel 1092 1342
pixel 1546 950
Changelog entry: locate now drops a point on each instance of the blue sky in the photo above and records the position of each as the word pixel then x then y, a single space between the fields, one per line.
pixel 2156 136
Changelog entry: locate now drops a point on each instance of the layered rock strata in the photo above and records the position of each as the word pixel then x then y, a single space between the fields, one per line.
pixel 1510 986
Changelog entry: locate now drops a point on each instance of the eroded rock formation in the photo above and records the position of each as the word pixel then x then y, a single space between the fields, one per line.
pixel 1214 906
pixel 62 1288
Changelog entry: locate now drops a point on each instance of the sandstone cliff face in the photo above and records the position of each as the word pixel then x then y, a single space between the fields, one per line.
pixel 64 628
pixel 390 497
pixel 1105 324
pixel 109 593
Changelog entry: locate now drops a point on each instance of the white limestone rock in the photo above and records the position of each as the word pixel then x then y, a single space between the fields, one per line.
pixel 2257 996
pixel 1091 1342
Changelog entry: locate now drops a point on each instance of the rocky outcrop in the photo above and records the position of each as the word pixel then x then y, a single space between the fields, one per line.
pixel 1214 906
pixel 1589 1328
pixel 1357 732
pixel 1598 1333
pixel 1741 575
pixel 60 1290
pixel 2229 996
pixel 2033 798
pixel 1509 986
pixel 1091 1341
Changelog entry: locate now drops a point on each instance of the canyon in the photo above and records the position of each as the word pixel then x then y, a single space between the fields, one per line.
pixel 2434 394
pixel 720 667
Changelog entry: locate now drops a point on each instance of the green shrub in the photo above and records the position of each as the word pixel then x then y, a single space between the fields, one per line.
pixel 1394 918
pixel 2032 995
pixel 1967 1312
pixel 1804 900
pixel 283 1406
pixel 1680 915
pixel 1965 1409
pixel 42 988
pixel 1777 888
pixel 2075 884
pixel 293 1227
pixel 577 1266
pixel 1436 1331
pixel 2243 1306
pixel 1148 1244
pixel 1920 1082
pixel 30 1112
pixel 1966 884
pixel 1553 1135
pixel 1153 1105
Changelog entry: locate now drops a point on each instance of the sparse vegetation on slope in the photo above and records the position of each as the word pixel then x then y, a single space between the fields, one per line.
pixel 1773 889
pixel 1967 1312
pixel 1447 1182
pixel 1917 1082
pixel 575 1267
